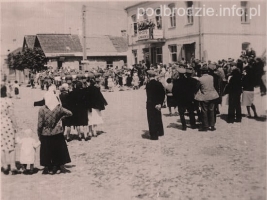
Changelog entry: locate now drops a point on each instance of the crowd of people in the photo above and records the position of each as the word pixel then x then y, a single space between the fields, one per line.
pixel 196 87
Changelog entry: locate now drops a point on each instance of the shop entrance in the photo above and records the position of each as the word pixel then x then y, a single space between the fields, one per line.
pixel 189 51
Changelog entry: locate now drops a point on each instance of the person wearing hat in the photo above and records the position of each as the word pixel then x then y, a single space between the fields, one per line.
pixel 193 79
pixel 234 90
pixel 41 78
pixel 183 92
pixel 48 81
pixel 84 81
pixel 155 97
pixel 217 82
pixel 206 96
pixel 65 101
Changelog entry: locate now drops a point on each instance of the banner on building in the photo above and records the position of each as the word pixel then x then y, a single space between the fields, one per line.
pixel 143 35
pixel 157 34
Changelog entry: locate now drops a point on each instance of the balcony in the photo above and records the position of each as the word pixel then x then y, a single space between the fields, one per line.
pixel 149 32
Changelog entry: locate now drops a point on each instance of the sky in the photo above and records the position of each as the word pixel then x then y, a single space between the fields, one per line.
pixel 30 18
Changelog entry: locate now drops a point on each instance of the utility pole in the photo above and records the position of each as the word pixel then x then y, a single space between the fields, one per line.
pixel 84 61
pixel 84 32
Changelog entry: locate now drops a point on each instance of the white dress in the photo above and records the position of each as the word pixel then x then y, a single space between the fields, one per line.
pixel 27 149
pixel 95 117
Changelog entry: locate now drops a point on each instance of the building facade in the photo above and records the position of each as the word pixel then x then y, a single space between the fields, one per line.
pixel 66 50
pixel 158 37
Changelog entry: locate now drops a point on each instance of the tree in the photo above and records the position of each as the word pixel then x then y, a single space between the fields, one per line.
pixel 33 59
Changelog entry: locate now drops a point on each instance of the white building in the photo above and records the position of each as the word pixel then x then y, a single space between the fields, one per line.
pixel 233 27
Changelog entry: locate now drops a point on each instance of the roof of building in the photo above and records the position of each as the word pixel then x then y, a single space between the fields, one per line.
pixel 105 45
pixel 59 43
pixel 29 40
pixel 135 4
pixel 119 43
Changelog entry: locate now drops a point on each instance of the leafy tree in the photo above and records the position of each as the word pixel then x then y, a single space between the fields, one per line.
pixel 33 59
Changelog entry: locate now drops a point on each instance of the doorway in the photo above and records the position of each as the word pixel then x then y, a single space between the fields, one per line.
pixel 156 55
pixel 189 51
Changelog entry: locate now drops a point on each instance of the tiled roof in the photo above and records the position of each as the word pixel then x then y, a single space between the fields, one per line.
pixel 119 43
pixel 30 39
pixel 59 43
pixel 105 43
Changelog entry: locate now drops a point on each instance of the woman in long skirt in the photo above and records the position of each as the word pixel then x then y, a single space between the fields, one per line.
pixel 248 91
pixel 54 151
pixel 79 110
pixel 96 103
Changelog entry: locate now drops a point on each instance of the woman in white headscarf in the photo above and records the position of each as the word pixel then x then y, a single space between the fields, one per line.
pixel 53 152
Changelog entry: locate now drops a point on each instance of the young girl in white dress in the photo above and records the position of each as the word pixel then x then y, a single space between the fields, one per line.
pixel 27 151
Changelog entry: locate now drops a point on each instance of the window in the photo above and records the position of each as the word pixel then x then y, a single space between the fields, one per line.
pixel 158 18
pixel 173 53
pixel 134 25
pixel 189 16
pixel 172 16
pixel 244 16
pixel 245 45
pixel 135 56
pixel 109 64
pixel 159 55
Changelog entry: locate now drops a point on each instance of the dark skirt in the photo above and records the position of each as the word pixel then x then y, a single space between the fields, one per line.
pixel 79 117
pixel 171 101
pixel 54 150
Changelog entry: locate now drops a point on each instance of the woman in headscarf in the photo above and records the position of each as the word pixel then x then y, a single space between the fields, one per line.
pixel 54 153
pixel 8 130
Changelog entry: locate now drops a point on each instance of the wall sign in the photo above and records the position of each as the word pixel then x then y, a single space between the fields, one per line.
pixel 143 35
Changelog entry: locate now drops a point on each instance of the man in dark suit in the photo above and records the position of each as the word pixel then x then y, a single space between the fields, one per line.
pixel 155 98
pixel 183 91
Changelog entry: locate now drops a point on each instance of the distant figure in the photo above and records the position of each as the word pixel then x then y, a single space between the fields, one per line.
pixel 110 84
pixel 16 90
pixel 170 98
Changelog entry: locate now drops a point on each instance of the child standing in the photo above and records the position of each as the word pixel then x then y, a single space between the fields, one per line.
pixel 170 99
pixel 16 90
pixel 135 82
pixel 110 84
pixel 27 151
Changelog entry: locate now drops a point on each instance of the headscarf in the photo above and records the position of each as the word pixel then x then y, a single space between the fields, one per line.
pixel 51 99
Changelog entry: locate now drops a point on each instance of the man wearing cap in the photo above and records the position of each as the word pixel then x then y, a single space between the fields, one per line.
pixel 155 97
pixel 206 96
pixel 183 92
pixel 217 82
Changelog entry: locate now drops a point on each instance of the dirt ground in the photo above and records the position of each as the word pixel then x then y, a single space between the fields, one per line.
pixel 229 163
